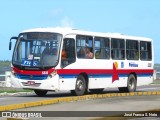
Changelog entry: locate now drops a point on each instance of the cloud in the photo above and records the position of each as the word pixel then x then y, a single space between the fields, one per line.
pixel 55 12
pixel 66 22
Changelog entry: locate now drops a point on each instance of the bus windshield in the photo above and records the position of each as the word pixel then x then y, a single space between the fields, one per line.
pixel 37 50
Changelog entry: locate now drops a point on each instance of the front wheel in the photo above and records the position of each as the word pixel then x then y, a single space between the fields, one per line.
pixel 131 85
pixel 41 93
pixel 80 87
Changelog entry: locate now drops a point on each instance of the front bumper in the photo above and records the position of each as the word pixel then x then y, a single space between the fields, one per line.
pixel 51 83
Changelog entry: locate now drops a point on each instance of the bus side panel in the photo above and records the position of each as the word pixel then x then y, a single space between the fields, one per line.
pixel 67 83
pixel 107 82
pixel 99 83
pixel 146 77
pixel 67 79
pixel 144 80
pixel 103 79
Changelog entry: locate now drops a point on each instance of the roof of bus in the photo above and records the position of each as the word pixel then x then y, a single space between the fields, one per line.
pixel 64 31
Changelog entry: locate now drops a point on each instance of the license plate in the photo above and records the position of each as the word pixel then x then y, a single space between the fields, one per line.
pixel 31 83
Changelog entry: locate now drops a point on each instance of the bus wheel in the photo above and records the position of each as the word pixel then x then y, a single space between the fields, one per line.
pixel 131 85
pixel 80 87
pixel 41 93
pixel 97 90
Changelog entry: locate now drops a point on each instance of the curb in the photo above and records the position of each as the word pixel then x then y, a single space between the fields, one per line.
pixel 74 98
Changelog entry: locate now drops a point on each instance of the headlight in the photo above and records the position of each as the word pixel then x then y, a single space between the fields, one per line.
pixel 13 73
pixel 54 73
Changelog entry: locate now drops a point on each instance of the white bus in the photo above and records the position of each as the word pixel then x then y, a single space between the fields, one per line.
pixel 55 59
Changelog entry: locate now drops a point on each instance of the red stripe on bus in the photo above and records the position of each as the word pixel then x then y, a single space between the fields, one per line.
pixel 29 72
pixel 104 71
pixel 88 71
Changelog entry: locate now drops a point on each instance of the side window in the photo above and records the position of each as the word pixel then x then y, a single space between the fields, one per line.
pixel 68 52
pixel 102 48
pixel 84 47
pixel 118 49
pixel 145 50
pixel 132 50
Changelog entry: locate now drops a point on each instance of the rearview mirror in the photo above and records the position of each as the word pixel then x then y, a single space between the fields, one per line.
pixel 10 43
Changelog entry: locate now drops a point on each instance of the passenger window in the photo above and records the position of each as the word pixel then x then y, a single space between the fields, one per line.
pixel 84 47
pixel 132 50
pixel 145 50
pixel 102 48
pixel 68 52
pixel 118 49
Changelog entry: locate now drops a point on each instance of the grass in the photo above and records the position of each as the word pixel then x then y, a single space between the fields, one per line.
pixel 14 90
pixel 156 82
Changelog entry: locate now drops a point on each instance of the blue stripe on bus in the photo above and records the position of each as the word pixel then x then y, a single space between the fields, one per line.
pixel 100 75
pixel 31 77
pixel 123 75
pixel 90 75
pixel 43 77
pixel 68 75
pixel 144 75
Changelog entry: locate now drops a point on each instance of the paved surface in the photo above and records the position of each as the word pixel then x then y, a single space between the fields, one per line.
pixel 30 97
pixel 126 103
pixel 109 106
pixel 136 103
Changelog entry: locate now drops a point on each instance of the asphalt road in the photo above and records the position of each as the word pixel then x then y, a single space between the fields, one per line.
pixel 21 98
pixel 83 110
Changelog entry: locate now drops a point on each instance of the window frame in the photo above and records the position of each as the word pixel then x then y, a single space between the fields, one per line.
pixel 67 59
pixel 107 41
pixel 87 38
pixel 118 48
pixel 149 52
pixel 132 49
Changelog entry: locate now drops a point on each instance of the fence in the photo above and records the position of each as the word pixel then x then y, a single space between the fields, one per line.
pixel 5 81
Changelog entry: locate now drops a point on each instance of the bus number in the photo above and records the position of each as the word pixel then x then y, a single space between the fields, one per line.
pixel 44 72
pixel 26 63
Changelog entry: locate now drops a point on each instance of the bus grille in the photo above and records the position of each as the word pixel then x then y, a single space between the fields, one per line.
pixel 32 77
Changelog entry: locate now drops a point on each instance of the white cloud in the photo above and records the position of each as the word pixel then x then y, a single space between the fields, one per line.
pixel 66 22
pixel 56 12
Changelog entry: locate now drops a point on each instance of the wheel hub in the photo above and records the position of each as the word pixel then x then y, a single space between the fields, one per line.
pixel 131 84
pixel 79 85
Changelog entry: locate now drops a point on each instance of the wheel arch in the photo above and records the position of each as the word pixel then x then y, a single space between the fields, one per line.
pixel 85 75
pixel 133 73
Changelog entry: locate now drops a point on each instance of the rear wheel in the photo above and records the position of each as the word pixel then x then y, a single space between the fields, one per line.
pixel 80 87
pixel 41 93
pixel 131 85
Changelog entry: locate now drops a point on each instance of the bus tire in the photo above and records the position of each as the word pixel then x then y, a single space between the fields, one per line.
pixel 80 87
pixel 131 84
pixel 41 93
pixel 97 90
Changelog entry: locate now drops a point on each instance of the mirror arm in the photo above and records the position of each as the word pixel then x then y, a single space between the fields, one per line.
pixel 10 43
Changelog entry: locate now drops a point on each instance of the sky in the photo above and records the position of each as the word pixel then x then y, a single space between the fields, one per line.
pixel 130 17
